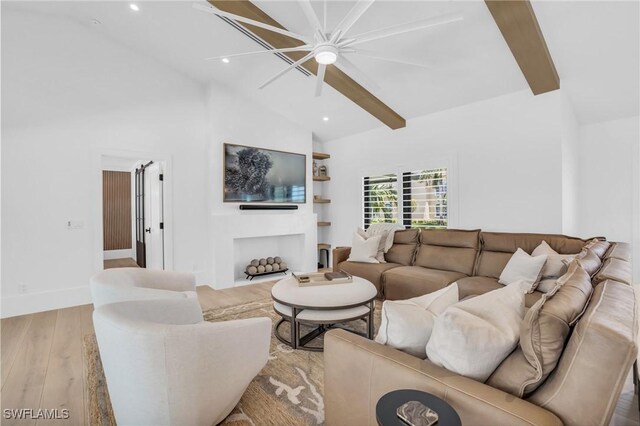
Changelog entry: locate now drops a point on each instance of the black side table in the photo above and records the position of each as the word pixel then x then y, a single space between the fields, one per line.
pixel 387 407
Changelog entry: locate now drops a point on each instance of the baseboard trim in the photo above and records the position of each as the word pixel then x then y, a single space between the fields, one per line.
pixel 118 254
pixel 23 304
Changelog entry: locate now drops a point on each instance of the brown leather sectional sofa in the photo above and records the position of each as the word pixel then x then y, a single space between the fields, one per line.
pixel 584 387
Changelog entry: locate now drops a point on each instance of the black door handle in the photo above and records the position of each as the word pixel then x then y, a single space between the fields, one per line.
pixel 148 230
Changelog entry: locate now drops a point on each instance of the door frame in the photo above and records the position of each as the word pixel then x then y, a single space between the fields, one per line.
pixel 167 201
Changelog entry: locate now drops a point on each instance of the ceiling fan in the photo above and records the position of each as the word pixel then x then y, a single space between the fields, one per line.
pixel 331 47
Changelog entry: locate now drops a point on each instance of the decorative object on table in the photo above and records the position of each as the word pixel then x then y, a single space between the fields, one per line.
pixel 387 408
pixel 321 308
pixel 315 168
pixel 415 413
pixel 263 175
pixel 320 278
pixel 322 170
pixel 336 275
pixel 265 266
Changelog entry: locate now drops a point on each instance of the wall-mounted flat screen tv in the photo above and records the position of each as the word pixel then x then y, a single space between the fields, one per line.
pixel 263 175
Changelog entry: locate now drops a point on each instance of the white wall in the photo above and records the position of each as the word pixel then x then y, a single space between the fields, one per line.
pixel 570 168
pixel 235 119
pixel 50 173
pixel 609 192
pixel 504 154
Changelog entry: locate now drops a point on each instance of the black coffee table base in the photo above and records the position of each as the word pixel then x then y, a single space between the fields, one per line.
pixel 387 407
pixel 297 341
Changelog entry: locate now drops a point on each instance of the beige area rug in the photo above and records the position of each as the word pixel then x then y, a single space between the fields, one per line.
pixel 288 390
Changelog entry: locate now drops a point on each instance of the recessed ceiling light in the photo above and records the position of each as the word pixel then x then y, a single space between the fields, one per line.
pixel 225 60
pixel 134 6
pixel 325 118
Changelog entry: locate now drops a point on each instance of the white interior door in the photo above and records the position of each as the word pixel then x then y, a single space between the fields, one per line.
pixel 153 219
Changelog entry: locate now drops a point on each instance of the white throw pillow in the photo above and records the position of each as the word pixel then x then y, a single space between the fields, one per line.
pixel 522 267
pixel 556 265
pixel 383 238
pixel 473 337
pixel 407 324
pixel 364 249
pixel 546 285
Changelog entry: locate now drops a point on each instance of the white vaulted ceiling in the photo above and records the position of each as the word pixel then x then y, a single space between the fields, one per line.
pixel 594 46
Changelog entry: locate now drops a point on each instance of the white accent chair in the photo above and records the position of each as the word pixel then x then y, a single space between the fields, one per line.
pixel 123 284
pixel 164 365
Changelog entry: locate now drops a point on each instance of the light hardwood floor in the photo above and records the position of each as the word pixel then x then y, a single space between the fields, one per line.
pixel 42 364
pixel 120 263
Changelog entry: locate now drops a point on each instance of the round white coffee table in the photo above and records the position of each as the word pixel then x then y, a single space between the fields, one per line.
pixel 323 306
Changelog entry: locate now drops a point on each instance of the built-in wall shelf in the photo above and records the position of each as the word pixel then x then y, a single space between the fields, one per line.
pixel 320 156
pixel 320 175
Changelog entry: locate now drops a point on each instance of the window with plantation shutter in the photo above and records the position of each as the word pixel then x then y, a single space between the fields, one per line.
pixel 416 199
pixel 424 198
pixel 380 199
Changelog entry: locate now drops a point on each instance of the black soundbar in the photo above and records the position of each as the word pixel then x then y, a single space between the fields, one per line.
pixel 267 207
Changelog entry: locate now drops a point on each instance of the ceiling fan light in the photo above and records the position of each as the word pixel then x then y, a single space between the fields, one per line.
pixel 326 57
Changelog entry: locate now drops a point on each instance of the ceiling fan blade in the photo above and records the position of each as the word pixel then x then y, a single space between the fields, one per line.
pixel 320 79
pixel 354 14
pixel 239 18
pixel 284 71
pixel 288 49
pixel 311 16
pixel 388 58
pixel 355 73
pixel 404 28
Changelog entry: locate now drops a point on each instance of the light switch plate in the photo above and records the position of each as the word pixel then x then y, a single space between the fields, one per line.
pixel 75 224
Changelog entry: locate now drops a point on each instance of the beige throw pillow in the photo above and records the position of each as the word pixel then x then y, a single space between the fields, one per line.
pixel 554 268
pixel 544 333
pixel 383 236
pixel 522 267
pixel 363 249
pixel 471 338
pixel 407 324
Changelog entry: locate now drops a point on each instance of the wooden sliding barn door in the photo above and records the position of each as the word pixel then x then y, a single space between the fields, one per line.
pixel 116 210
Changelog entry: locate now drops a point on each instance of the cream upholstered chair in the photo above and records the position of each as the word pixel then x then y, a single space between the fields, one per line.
pixel 164 365
pixel 122 284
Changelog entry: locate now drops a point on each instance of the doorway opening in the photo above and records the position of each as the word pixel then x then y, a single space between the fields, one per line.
pixel 133 213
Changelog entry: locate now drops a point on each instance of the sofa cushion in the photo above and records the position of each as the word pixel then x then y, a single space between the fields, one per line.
pixel 544 331
pixel 614 269
pixel 620 251
pixel 369 271
pixel 589 261
pixel 474 286
pixel 599 247
pixel 404 247
pixel 602 342
pixel 448 250
pixel 497 248
pixel 406 282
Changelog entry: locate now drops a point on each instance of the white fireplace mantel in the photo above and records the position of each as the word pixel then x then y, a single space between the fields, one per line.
pixel 230 229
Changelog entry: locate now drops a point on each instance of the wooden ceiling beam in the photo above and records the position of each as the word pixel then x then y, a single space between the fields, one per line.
pixel 334 77
pixel 519 27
